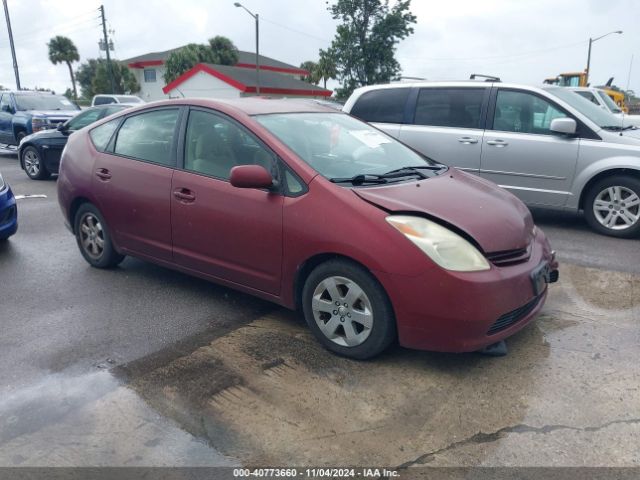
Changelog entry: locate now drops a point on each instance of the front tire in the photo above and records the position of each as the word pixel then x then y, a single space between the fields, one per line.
pixel 347 310
pixel 94 241
pixel 33 164
pixel 612 206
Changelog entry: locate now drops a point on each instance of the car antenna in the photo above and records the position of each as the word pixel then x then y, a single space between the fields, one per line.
pixel 488 78
pixel 628 84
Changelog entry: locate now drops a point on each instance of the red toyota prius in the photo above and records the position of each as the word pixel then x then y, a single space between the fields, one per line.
pixel 312 209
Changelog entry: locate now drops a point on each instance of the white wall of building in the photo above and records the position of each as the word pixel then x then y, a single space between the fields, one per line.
pixel 204 85
pixel 150 91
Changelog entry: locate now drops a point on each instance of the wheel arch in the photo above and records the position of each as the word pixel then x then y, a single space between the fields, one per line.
pixel 306 267
pixel 73 210
pixel 634 172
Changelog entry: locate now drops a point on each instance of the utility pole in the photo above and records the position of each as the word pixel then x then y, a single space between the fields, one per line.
pixel 591 40
pixel 106 49
pixel 13 50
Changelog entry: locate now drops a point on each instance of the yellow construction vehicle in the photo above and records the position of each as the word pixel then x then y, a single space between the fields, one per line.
pixel 579 79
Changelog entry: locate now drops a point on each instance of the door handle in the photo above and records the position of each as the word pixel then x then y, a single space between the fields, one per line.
pixel 184 195
pixel 103 174
pixel 467 140
pixel 497 143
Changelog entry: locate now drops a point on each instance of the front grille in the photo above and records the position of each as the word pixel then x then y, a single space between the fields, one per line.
pixel 509 257
pixel 7 215
pixel 508 319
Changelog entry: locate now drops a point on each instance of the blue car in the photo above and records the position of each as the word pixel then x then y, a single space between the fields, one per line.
pixel 8 211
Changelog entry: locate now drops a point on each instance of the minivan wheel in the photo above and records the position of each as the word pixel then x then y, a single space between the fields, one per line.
pixel 348 310
pixel 33 165
pixel 93 238
pixel 612 206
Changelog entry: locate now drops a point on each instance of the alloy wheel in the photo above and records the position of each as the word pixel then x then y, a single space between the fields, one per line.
pixel 32 163
pixel 342 311
pixel 617 208
pixel 91 235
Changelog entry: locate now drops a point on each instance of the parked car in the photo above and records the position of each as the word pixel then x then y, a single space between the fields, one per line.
pixel 104 99
pixel 39 153
pixel 307 207
pixel 548 146
pixel 23 113
pixel 8 211
pixel 600 98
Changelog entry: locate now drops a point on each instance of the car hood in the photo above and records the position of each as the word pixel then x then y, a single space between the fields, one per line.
pixel 55 113
pixel 495 218
pixel 46 134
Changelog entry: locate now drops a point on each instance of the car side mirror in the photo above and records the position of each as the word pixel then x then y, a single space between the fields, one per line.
pixel 8 109
pixel 565 126
pixel 62 127
pixel 250 176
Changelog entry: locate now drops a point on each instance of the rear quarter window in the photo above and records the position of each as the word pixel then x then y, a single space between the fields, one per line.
pixel 101 135
pixel 385 105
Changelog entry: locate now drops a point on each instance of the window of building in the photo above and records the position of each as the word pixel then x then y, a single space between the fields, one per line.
pixel 149 75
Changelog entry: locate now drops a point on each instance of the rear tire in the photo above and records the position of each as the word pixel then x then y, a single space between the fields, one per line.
pixel 347 310
pixel 33 164
pixel 612 206
pixel 93 238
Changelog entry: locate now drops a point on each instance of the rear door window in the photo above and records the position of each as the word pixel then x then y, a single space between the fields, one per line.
pixel 450 107
pixel 385 105
pixel 148 136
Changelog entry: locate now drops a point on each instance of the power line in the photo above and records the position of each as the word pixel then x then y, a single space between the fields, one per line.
pixel 294 30
pixel 498 57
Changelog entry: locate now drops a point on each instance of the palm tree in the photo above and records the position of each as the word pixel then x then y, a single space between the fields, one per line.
pixel 62 49
pixel 326 68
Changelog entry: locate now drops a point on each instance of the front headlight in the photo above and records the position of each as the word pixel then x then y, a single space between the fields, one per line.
pixel 2 184
pixel 446 248
pixel 39 123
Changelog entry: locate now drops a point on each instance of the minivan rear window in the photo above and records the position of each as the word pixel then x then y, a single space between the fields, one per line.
pixel 385 105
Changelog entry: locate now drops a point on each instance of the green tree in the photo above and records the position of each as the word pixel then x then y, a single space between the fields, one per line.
pixel 123 80
pixel 220 50
pixel 224 51
pixel 85 74
pixel 312 68
pixel 363 49
pixel 93 78
pixel 63 50
pixel 326 68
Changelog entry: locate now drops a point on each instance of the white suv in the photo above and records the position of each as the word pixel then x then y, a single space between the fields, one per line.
pixel 547 145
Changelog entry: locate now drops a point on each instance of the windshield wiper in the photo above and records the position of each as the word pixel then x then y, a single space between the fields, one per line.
pixel 618 128
pixel 416 169
pixel 360 179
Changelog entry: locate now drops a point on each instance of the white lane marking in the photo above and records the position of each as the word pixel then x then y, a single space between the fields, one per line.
pixel 21 197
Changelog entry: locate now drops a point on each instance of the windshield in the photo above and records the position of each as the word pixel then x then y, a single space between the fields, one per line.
pixel 611 105
pixel 44 102
pixel 596 114
pixel 337 145
pixel 128 99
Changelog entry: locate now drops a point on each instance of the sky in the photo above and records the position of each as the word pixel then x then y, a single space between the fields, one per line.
pixel 521 41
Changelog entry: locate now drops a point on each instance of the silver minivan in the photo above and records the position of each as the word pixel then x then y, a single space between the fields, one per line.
pixel 547 145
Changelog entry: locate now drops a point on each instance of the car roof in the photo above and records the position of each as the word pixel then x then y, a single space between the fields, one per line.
pixel 250 105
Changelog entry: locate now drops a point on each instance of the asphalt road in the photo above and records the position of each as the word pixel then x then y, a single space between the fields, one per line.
pixel 145 366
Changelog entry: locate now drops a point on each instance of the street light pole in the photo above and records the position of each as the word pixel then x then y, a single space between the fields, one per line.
pixel 591 40
pixel 257 19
